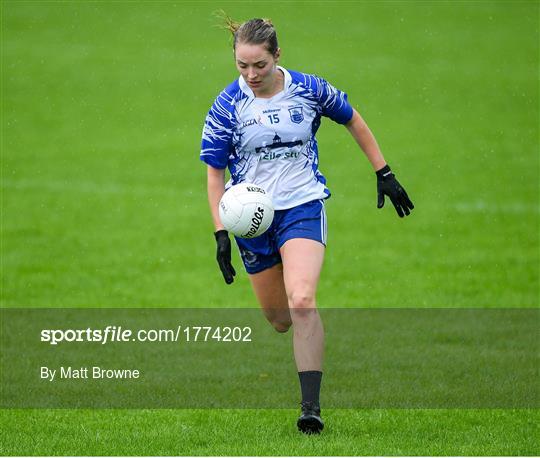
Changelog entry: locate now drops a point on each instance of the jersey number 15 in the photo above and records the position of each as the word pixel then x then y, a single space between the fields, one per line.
pixel 274 119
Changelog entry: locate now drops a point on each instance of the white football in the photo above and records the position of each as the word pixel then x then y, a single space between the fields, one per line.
pixel 246 210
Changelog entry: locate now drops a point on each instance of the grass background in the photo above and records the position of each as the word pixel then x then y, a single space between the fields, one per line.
pixel 103 196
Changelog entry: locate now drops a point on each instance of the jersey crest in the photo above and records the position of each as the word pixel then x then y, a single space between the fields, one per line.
pixel 297 114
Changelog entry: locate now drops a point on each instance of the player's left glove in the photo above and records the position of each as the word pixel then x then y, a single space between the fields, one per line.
pixel 387 185
pixel 223 255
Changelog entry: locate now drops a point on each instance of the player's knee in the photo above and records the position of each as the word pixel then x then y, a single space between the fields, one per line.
pixel 280 319
pixel 282 326
pixel 302 302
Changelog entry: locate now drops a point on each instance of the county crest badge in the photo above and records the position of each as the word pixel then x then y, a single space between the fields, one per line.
pixel 297 115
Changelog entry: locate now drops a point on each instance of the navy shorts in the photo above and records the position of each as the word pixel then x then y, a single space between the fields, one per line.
pixel 307 221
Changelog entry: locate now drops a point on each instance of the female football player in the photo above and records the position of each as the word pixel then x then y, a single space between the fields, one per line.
pixel 262 128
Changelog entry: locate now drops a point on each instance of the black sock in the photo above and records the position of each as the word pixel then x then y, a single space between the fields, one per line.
pixel 310 384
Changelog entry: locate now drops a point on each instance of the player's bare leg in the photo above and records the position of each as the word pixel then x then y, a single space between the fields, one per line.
pixel 269 288
pixel 302 263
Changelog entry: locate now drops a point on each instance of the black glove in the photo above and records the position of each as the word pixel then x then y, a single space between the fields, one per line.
pixel 224 255
pixel 387 185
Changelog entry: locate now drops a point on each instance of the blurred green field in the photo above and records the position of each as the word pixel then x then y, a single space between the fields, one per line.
pixel 103 198
pixel 250 432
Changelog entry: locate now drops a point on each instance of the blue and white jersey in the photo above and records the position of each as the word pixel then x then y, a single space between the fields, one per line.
pixel 271 142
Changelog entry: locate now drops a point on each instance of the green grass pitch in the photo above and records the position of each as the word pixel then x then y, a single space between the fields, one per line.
pixel 103 196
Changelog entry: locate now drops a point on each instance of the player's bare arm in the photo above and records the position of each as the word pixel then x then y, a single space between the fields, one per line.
pixel 215 189
pixel 387 185
pixel 366 140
